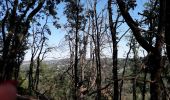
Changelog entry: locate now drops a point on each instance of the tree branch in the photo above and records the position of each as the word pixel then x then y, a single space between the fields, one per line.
pixel 134 26
pixel 27 9
pixel 35 11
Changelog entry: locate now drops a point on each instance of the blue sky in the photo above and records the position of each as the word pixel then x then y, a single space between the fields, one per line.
pixel 57 36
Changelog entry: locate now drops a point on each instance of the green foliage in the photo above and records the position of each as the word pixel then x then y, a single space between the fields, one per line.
pixel 73 8
pixel 16 18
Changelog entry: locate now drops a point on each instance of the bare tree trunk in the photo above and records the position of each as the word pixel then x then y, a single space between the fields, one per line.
pixel 144 85
pixel 156 58
pixel 167 28
pixel 71 50
pixel 114 54
pixel 135 59
pixel 84 50
pixel 155 88
pixel 37 72
pixel 97 51
pixel 124 69
pixel 76 78
pixel 30 80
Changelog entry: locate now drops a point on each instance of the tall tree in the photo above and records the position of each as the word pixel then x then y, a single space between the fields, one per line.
pixel 97 52
pixel 73 12
pixel 113 26
pixel 17 19
pixel 39 48
pixel 154 51
pixel 135 49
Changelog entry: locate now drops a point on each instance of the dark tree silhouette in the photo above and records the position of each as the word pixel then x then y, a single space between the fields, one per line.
pixel 113 27
pixel 17 19
pixel 155 51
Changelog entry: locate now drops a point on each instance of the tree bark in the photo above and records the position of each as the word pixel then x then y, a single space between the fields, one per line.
pixel 167 29
pixel 76 78
pixel 97 51
pixel 114 53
